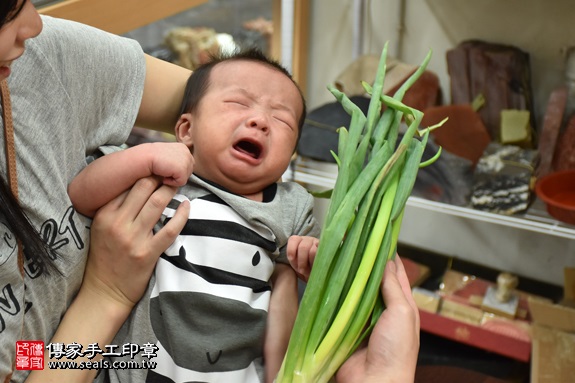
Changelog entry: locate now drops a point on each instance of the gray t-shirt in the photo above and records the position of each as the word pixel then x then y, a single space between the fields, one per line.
pixel 206 306
pixel 74 89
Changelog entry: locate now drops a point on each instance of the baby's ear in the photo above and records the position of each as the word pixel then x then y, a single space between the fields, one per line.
pixel 183 130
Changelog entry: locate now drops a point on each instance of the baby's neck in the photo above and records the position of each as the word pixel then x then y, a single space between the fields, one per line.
pixel 258 196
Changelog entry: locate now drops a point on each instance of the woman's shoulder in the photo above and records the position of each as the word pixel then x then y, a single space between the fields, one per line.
pixel 70 35
pixel 56 28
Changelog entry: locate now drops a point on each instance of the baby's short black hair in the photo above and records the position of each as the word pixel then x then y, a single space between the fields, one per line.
pixel 200 78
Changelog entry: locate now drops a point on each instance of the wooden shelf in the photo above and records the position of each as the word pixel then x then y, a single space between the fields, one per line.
pixel 116 16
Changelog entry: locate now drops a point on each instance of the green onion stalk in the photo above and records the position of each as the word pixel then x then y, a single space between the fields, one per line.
pixel 376 174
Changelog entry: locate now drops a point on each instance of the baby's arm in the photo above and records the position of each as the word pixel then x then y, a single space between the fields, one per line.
pixel 109 176
pixel 281 318
pixel 301 251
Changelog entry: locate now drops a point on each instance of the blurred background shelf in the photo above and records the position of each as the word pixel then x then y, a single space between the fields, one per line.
pixel 535 219
pixel 323 175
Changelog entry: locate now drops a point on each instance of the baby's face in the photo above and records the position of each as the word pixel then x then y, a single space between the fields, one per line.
pixel 246 127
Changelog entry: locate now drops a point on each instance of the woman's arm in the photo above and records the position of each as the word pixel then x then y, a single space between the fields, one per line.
pixel 108 176
pixel 163 94
pixel 123 253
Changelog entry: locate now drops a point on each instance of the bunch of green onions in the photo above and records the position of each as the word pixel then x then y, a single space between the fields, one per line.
pixel 375 177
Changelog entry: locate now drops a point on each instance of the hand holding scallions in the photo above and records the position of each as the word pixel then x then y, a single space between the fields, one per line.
pixel 342 303
pixel 392 349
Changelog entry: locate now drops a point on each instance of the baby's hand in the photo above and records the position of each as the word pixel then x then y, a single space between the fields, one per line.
pixel 173 161
pixel 301 252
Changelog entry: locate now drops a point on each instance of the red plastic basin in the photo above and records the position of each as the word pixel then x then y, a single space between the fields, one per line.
pixel 557 190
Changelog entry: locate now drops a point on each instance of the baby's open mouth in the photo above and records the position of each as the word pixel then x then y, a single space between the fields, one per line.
pixel 250 148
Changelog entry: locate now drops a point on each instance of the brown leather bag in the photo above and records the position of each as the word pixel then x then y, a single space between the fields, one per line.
pixel 501 73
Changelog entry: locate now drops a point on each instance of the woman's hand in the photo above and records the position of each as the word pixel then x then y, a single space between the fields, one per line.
pixel 393 347
pixel 123 249
pixel 123 253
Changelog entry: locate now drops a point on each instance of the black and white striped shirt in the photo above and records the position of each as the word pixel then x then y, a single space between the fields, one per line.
pixel 208 306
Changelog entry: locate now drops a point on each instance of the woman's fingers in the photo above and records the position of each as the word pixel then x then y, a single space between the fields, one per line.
pixel 167 234
pixel 145 198
pixel 401 313
pixel 406 287
pixel 124 249
pixel 397 290
pixel 146 202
